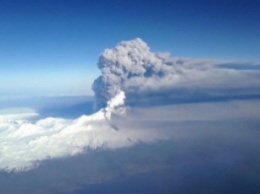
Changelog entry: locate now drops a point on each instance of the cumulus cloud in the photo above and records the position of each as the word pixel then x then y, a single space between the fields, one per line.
pixel 25 144
pixel 134 69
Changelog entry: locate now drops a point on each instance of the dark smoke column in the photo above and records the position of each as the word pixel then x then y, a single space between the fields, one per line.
pixel 117 65
pixel 147 77
pixel 132 68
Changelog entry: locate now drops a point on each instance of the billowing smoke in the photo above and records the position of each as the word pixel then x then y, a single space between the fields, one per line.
pixel 127 66
pixel 131 67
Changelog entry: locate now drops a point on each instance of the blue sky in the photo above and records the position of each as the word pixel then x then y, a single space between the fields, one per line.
pixel 51 47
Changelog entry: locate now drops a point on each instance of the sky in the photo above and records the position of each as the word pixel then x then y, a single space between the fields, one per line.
pixel 51 47
pixel 137 96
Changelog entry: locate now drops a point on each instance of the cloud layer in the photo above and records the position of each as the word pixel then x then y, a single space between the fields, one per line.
pixel 25 144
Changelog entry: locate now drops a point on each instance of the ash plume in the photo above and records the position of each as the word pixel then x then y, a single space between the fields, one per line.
pixel 127 67
pixel 131 67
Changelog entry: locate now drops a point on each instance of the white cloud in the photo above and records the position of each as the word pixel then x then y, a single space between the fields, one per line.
pixel 16 113
pixel 24 144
